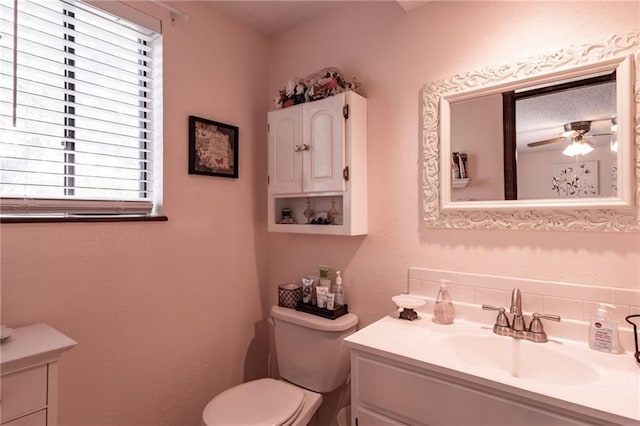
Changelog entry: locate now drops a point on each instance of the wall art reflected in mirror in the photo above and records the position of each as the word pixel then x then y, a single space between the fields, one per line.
pixel 550 142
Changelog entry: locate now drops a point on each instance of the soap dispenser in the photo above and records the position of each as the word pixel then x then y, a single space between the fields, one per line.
pixel 443 312
pixel 603 331
pixel 339 289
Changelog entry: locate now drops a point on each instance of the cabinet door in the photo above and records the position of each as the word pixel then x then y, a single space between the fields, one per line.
pixel 284 150
pixel 324 150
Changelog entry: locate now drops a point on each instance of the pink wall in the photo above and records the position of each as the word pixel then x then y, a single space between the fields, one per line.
pixel 393 53
pixel 166 314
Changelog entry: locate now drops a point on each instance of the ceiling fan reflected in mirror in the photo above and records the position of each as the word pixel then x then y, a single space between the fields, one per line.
pixel 575 132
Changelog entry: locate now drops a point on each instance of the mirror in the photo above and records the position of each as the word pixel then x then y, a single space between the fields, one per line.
pixel 532 130
pixel 493 147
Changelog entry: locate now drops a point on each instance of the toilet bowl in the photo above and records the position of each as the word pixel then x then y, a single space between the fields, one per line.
pixel 312 360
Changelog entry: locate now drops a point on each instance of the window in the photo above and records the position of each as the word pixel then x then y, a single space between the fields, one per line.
pixel 80 111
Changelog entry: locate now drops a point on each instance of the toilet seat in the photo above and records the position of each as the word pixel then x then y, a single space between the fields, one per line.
pixel 260 402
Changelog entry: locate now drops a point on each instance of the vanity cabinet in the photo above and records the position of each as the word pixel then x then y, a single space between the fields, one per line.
pixel 317 158
pixel 387 391
pixel 29 375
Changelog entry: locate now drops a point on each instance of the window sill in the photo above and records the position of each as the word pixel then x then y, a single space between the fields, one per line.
pixel 81 218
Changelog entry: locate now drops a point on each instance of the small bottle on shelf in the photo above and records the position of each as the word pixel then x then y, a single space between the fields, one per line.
pixel 332 214
pixel 339 290
pixel 308 212
pixel 455 168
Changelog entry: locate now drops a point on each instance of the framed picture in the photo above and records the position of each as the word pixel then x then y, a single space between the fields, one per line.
pixel 213 148
pixel 577 179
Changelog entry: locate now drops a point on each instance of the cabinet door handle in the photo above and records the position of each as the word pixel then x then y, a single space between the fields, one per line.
pixel 303 147
pixel 298 148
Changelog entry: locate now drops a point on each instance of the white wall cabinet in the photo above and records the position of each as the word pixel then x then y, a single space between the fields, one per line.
pixel 386 391
pixel 29 374
pixel 317 153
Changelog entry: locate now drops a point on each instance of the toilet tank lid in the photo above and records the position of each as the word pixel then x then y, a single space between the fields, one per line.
pixel 303 319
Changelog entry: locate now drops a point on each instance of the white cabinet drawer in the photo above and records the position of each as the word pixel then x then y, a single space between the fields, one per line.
pixel 35 419
pixel 24 392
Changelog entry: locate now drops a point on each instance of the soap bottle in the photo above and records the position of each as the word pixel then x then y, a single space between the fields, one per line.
pixel 339 290
pixel 443 311
pixel 603 331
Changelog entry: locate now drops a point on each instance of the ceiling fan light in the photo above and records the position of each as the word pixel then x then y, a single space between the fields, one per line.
pixel 578 148
pixel 586 148
pixel 614 144
pixel 572 150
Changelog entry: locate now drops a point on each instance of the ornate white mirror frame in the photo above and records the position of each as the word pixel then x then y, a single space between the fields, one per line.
pixel 586 214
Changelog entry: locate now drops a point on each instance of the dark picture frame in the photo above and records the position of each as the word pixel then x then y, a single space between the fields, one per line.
pixel 213 148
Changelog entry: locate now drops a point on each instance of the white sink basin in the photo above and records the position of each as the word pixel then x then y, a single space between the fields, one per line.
pixel 520 358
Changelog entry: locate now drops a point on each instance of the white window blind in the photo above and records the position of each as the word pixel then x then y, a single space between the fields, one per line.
pixel 78 117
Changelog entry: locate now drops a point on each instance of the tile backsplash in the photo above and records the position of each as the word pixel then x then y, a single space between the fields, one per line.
pixel 571 301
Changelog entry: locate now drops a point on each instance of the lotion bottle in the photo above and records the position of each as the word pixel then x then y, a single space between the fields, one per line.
pixel 443 311
pixel 603 331
pixel 339 290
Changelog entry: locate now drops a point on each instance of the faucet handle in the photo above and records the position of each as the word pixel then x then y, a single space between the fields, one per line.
pixel 501 320
pixel 551 317
pixel 536 331
pixel 492 308
pixel 536 324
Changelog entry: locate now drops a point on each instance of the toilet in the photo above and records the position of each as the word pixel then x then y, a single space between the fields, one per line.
pixel 312 360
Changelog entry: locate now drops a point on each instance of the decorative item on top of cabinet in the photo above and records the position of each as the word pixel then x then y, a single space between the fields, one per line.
pixel 319 85
pixel 317 160
pixel 29 370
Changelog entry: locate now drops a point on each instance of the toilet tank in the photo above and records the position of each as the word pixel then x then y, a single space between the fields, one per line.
pixel 310 349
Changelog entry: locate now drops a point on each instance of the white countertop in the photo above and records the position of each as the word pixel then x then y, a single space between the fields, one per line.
pixel 32 345
pixel 608 387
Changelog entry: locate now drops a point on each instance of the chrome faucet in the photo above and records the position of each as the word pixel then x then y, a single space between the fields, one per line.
pixel 517 328
pixel 517 323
